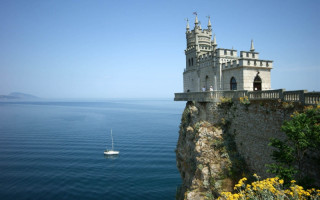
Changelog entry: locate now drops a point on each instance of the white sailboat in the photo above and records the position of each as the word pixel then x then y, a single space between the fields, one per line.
pixel 111 152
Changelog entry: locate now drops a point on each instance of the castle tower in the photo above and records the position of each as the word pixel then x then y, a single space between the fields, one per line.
pixel 198 44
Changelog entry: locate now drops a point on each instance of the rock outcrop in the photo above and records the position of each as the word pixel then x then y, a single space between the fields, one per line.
pixel 204 157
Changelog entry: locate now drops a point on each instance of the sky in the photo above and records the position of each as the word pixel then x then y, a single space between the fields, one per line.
pixel 135 49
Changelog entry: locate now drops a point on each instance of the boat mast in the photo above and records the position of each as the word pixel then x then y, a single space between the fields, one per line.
pixel 112 139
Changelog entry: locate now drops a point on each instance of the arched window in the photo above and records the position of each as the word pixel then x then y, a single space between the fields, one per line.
pixel 192 61
pixel 257 83
pixel 233 84
pixel 207 83
pixel 189 62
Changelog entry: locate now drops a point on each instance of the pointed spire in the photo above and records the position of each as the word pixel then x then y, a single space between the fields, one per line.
pixel 214 39
pixel 252 47
pixel 196 20
pixel 200 25
pixel 188 27
pixel 209 23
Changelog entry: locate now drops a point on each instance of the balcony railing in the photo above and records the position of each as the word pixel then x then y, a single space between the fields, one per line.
pixel 302 96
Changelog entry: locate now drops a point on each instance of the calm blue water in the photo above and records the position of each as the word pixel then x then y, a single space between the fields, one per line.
pixel 54 150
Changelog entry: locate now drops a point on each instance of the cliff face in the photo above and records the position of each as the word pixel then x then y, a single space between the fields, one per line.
pixel 219 144
pixel 203 156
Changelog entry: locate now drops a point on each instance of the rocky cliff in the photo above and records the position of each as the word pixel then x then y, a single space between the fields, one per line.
pixel 206 158
pixel 220 143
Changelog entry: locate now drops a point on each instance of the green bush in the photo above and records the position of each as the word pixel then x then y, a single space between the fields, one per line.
pixel 302 137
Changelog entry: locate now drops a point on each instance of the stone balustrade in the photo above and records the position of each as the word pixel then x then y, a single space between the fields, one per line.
pixel 266 94
pixel 302 96
pixel 312 98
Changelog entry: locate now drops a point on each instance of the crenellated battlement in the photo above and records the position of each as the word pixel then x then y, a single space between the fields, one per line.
pixel 247 63
pixel 190 48
pixel 249 54
pixel 230 64
pixel 255 63
pixel 226 52
pixel 206 56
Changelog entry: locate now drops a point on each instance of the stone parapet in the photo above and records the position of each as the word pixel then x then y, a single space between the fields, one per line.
pixel 301 96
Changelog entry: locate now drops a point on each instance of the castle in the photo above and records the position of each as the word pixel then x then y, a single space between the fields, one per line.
pixel 207 65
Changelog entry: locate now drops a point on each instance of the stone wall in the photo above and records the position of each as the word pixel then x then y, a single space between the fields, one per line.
pixel 252 126
pixel 249 75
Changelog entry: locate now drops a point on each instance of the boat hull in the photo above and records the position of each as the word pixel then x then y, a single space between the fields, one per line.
pixel 111 152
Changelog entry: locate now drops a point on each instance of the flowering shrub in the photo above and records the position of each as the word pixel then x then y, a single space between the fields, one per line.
pixel 225 100
pixel 270 188
pixel 287 105
pixel 244 100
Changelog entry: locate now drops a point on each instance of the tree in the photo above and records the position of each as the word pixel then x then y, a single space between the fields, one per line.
pixel 302 138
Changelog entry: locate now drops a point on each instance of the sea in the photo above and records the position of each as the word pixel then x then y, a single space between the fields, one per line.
pixel 54 149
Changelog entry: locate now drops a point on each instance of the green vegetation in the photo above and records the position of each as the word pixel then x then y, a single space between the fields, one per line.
pixel 302 139
pixel 244 100
pixel 225 102
pixel 287 105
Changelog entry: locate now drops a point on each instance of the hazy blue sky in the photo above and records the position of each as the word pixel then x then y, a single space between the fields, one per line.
pixel 107 49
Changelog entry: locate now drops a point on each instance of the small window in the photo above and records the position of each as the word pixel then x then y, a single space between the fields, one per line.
pixel 192 61
pixel 189 62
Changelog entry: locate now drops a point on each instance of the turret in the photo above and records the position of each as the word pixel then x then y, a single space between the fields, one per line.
pixel 252 47
pixel 188 27
pixel 196 22
pixel 209 24
pixel 214 40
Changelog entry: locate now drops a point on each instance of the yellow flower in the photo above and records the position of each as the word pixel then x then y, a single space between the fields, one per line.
pixel 270 188
pixel 256 176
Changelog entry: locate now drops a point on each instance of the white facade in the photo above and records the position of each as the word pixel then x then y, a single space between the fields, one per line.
pixel 223 69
